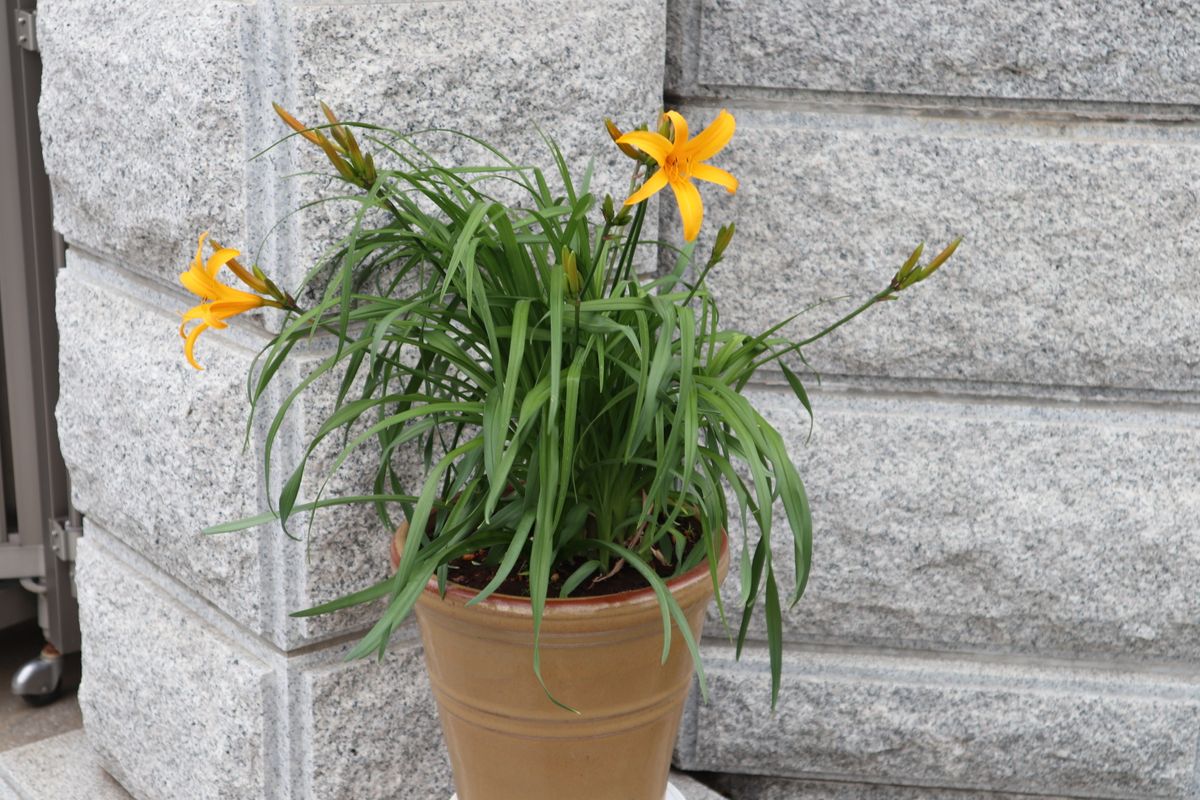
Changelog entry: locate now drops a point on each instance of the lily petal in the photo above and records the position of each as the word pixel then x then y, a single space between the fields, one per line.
pixel 655 183
pixel 201 284
pixel 189 346
pixel 196 312
pixel 679 124
pixel 219 259
pixel 691 208
pixel 224 309
pixel 652 144
pixel 707 172
pixel 199 259
pixel 712 139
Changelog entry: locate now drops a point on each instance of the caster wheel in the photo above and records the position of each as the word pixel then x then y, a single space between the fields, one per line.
pixel 39 681
pixel 38 700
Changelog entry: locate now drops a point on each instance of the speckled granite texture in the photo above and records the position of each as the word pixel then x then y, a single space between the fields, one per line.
pixel 558 64
pixel 1077 265
pixel 164 155
pixel 63 767
pixel 146 659
pixel 937 720
pixel 908 498
pixel 132 411
pixel 124 429
pixel 181 702
pixel 1068 50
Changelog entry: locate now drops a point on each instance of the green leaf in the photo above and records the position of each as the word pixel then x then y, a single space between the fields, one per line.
pixel 581 574
pixel 774 633
pixel 801 395
pixel 242 524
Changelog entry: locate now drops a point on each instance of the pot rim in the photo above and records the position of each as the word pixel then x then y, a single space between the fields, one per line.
pixel 523 606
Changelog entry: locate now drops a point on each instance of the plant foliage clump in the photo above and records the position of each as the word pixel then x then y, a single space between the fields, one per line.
pixel 571 414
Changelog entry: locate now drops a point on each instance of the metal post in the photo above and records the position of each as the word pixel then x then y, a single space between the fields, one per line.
pixel 27 324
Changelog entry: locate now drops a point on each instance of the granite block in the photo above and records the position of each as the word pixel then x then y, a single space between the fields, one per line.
pixel 992 526
pixel 154 448
pixel 173 707
pixel 63 767
pixel 1076 267
pixel 373 730
pixel 155 451
pixel 1019 726
pixel 496 69
pixel 143 128
pixel 345 548
pixel 244 720
pixel 979 48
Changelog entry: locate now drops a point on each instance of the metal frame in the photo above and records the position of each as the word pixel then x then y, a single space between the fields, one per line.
pixel 30 256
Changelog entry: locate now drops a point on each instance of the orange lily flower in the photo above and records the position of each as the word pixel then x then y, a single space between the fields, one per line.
pixel 220 301
pixel 681 160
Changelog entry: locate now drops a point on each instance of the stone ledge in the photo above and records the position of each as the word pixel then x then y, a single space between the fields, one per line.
pixel 943 721
pixel 692 789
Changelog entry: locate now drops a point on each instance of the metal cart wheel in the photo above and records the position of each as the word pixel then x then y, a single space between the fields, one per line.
pixel 39 681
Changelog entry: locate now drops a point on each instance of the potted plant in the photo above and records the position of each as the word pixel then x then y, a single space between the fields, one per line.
pixel 582 428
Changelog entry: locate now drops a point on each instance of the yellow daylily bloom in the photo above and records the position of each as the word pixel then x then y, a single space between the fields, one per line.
pixel 681 160
pixel 220 301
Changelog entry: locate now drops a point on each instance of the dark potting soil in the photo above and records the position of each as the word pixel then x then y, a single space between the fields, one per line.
pixel 472 572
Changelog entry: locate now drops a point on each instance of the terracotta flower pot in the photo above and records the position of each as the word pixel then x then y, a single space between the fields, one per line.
pixel 601 656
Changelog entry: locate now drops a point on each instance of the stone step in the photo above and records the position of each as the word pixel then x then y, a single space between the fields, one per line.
pixel 692 789
pixel 753 787
pixel 65 767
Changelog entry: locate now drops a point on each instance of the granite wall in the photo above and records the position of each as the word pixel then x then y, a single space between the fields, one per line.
pixel 1003 464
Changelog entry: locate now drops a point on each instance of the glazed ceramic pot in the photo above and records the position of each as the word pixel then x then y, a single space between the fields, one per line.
pixel 602 656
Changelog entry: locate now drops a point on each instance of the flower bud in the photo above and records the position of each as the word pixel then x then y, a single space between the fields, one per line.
pixel 724 237
pixel 901 278
pixel 939 259
pixel 616 134
pixel 296 125
pixel 340 134
pixel 574 283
